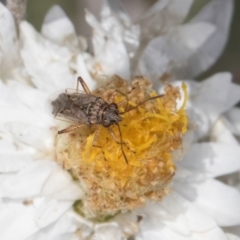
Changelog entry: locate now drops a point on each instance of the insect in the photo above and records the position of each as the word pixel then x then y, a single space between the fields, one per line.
pixel 87 108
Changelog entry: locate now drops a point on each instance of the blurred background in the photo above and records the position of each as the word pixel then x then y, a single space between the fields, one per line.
pixel 229 61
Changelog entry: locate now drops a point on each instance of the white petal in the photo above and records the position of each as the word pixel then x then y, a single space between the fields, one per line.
pixel 156 7
pixel 13 161
pixel 58 28
pixel 162 16
pixel 213 94
pixel 45 62
pixel 129 222
pixel 35 100
pixel 216 199
pixel 84 73
pixel 19 221
pixel 107 232
pixel 110 55
pixel 221 133
pixel 27 182
pixel 233 116
pixel 60 185
pixel 50 210
pixel 215 159
pixel 235 230
pixel 164 233
pixel 233 96
pixel 232 237
pixel 9 52
pixel 219 13
pixel 36 137
pixel 173 49
pixel 191 35
pixel 65 228
pixel 115 20
pixel 28 95
pixel 7 96
pixel 179 9
pixel 154 60
pixel 176 218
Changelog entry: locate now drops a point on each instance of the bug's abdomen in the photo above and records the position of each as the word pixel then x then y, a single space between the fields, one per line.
pixel 94 111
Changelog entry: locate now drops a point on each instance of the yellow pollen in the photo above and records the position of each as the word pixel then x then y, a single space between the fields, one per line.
pixel 150 134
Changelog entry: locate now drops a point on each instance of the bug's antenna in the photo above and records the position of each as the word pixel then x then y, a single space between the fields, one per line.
pixel 121 142
pixel 117 141
pixel 151 98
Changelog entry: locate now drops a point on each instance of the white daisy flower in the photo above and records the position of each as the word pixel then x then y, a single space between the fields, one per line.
pixel 39 199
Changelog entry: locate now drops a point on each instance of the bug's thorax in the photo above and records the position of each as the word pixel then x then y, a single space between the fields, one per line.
pixel 101 112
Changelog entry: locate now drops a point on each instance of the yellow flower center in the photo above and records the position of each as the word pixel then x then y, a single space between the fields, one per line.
pixel 150 133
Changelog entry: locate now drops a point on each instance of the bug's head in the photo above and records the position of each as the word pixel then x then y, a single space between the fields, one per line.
pixel 111 115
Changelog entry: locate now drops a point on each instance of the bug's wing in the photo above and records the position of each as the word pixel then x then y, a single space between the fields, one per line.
pixel 73 91
pixel 73 116
pixel 69 106
pixel 48 103
pixel 63 118
pixel 81 99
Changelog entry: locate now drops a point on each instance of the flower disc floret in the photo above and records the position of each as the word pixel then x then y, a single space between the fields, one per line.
pixel 150 134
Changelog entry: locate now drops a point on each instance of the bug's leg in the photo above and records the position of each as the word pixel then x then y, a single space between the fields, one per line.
pixel 69 129
pixel 122 102
pixel 84 85
pixel 95 138
pixel 117 141
pixel 151 98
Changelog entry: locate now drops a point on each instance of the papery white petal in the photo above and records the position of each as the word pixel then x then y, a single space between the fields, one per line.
pixel 213 94
pixel 176 218
pixel 7 97
pixel 107 232
pixel 19 221
pixel 113 15
pixel 235 230
pixel 233 96
pixel 179 9
pixel 12 160
pixel 60 186
pixel 29 96
pixel 46 63
pixel 172 50
pixel 219 13
pixel 167 234
pixel 216 199
pixel 215 159
pixel 27 182
pixel 108 50
pixel 9 53
pixel 84 73
pixel 156 8
pixel 129 222
pixel 154 60
pixel 221 133
pixel 31 135
pixel 16 221
pixel 115 19
pixel 58 28
pixel 232 237
pixel 34 100
pixel 162 16
pixel 65 228
pixel 50 210
pixel 191 35
pixel 233 116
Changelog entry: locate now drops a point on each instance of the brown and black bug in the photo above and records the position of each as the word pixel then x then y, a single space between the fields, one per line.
pixel 86 108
